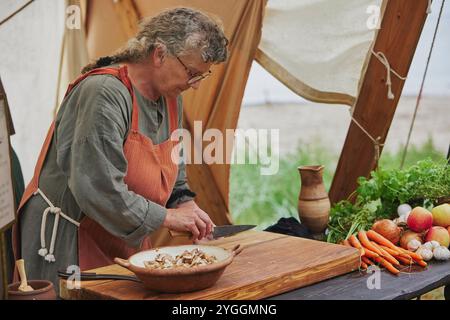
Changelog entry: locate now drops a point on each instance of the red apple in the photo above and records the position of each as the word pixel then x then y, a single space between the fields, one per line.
pixel 438 234
pixel 420 219
pixel 441 215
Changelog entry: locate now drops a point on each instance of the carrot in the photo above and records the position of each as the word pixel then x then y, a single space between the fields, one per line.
pixel 392 251
pixel 406 261
pixel 406 256
pixel 346 243
pixel 355 243
pixel 386 255
pixel 422 263
pixel 366 243
pixel 370 254
pixel 415 256
pixel 387 265
pixel 367 261
pixel 378 238
pixel 363 265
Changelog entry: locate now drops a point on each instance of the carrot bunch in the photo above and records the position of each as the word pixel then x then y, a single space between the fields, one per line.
pixel 376 249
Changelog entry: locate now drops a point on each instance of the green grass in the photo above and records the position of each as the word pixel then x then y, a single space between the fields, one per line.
pixel 262 200
pixel 415 153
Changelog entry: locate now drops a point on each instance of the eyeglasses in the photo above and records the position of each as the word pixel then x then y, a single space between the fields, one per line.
pixel 192 77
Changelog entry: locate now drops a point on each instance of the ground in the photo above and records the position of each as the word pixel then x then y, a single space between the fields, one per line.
pixel 328 124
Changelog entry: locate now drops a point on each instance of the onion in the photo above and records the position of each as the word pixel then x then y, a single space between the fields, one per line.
pixel 388 229
pixel 407 237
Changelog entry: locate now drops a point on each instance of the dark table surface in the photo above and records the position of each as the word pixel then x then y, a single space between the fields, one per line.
pixel 355 285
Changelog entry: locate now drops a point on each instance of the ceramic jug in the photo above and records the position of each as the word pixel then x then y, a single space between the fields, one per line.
pixel 313 202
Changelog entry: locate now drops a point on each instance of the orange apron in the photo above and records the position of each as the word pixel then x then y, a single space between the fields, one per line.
pixel 151 173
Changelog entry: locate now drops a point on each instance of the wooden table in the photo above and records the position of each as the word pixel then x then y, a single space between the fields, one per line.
pixel 269 264
pixel 350 286
pixel 353 286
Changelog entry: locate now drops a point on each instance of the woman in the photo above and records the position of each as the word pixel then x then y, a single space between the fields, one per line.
pixel 105 179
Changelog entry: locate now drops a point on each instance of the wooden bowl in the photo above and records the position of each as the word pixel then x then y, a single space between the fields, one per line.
pixel 178 280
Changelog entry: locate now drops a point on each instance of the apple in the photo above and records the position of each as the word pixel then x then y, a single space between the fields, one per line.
pixel 420 219
pixel 438 234
pixel 441 215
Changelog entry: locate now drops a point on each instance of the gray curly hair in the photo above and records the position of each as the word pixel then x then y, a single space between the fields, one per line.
pixel 177 31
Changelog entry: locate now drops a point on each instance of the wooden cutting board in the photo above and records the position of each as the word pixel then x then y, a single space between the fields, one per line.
pixel 270 264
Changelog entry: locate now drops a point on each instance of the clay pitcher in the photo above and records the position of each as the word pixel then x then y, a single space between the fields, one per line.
pixel 313 202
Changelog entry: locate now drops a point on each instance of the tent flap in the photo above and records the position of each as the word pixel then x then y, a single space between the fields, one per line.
pixel 332 38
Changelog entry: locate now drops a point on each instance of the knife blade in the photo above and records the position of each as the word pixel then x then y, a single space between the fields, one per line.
pixel 229 230
pixel 219 231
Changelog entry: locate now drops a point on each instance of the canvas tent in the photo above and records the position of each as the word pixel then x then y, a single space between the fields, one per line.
pixel 322 50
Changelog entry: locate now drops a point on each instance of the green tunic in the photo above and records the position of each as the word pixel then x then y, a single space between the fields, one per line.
pixel 84 173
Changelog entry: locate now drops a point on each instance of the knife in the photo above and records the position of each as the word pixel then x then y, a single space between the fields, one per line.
pixel 219 231
pixel 96 276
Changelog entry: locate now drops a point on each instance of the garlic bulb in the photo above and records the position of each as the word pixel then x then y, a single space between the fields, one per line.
pixel 441 253
pixel 402 219
pixel 406 215
pixel 435 244
pixel 428 245
pixel 413 245
pixel 403 209
pixel 425 253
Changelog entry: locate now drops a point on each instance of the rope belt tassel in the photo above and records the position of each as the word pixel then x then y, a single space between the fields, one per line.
pixel 48 254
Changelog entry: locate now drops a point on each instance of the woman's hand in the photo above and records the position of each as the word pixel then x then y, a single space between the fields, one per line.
pixel 189 217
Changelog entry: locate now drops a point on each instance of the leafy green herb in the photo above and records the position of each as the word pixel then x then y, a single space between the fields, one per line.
pixel 347 219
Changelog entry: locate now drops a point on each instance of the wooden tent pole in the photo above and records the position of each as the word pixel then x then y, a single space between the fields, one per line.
pixel 128 16
pixel 398 37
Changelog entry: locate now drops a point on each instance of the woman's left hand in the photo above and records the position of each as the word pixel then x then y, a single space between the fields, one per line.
pixel 202 215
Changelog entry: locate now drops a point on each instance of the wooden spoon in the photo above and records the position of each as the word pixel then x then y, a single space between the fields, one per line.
pixel 24 286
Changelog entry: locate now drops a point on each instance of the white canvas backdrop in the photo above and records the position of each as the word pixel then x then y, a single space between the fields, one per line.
pixel 30 45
